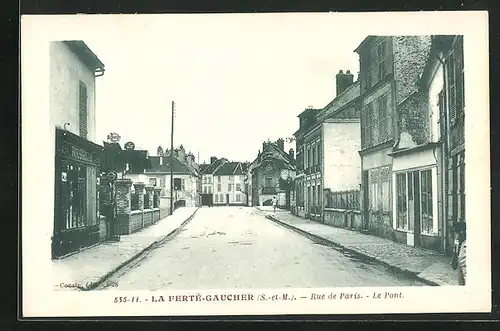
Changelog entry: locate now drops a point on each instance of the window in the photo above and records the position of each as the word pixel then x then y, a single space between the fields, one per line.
pixel 183 184
pixel 82 110
pixel 204 179
pixel 238 187
pixel 205 190
pixel 313 154
pixel 152 181
pixel 219 187
pixel 383 119
pixel 229 187
pixel 209 189
pixel 310 157
pixel 221 199
pixel 77 188
pixel 452 97
pixel 238 198
pixel 268 182
pixel 218 179
pixel 426 201
pixel 382 60
pixel 216 198
pixel 368 125
pixel 319 196
pixel 401 202
pixel 319 154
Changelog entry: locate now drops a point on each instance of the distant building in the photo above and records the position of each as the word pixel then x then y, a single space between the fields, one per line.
pixel 223 182
pixel 270 175
pixel 73 68
pixel 184 169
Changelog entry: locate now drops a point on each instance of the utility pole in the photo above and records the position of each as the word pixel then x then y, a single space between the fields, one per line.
pixel 171 162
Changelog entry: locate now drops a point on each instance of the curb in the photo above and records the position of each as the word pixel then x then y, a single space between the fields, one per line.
pixel 327 242
pixel 153 245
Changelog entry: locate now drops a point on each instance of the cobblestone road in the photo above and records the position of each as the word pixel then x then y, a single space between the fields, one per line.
pixel 237 247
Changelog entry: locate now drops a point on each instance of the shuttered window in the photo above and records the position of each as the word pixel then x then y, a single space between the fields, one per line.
pixel 452 86
pixel 383 119
pixel 368 125
pixel 82 110
pixel 459 76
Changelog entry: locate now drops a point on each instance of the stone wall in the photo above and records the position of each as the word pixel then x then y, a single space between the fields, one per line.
pixel 410 56
pixel 350 219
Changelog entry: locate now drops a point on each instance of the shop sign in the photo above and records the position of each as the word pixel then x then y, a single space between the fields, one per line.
pixel 77 153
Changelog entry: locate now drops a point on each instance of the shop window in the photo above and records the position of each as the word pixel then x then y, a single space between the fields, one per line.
pixel 402 206
pixel 426 201
pixel 78 195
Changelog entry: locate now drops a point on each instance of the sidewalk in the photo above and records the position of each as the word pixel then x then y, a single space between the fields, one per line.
pixel 88 268
pixel 428 266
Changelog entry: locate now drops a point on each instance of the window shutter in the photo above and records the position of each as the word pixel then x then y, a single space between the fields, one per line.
pixel 382 118
pixel 452 84
pixel 82 110
pixel 459 70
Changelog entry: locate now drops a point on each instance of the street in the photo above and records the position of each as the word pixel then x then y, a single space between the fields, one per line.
pixel 237 247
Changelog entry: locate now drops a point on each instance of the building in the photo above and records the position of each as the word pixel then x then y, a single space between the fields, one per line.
pixel 73 71
pixel 270 175
pixel 207 179
pixel 223 182
pixel 327 142
pixel 410 86
pixel 185 172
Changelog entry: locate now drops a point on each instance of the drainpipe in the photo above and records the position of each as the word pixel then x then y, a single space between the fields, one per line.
pixel 444 153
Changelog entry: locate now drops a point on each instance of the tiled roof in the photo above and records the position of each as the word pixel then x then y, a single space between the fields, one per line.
pixel 229 168
pixel 178 166
pixel 213 166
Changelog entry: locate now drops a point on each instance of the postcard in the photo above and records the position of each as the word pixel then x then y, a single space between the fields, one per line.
pixel 255 164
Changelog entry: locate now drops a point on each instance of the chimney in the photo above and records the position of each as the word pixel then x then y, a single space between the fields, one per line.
pixel 263 146
pixel 291 153
pixel 213 159
pixel 281 144
pixel 343 81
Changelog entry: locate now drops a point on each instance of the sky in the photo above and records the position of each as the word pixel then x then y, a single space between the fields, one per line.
pixel 237 80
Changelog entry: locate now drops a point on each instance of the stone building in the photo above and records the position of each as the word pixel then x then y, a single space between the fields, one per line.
pixel 327 143
pixel 270 175
pixel 403 130
pixel 73 69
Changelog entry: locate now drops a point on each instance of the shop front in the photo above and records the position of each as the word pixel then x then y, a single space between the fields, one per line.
pixel 76 214
pixel 416 198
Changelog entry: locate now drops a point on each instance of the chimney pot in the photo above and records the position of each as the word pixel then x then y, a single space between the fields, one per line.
pixel 341 71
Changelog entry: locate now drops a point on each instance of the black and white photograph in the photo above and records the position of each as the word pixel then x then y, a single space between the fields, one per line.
pixel 255 163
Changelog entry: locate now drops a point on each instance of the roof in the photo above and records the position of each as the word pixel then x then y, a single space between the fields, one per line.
pixel 85 54
pixel 178 166
pixel 365 42
pixel 229 168
pixel 210 168
pixel 308 111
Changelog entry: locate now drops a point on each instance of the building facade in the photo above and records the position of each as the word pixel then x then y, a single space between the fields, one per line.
pixel 271 174
pixel 73 69
pixel 185 173
pixel 223 182
pixel 410 85
pixel 327 143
